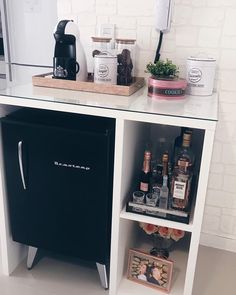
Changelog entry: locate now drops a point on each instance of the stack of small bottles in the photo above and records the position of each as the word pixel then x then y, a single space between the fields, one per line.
pixel 167 184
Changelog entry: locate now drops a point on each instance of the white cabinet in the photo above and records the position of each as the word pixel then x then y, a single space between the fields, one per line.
pixel 126 226
pixel 138 119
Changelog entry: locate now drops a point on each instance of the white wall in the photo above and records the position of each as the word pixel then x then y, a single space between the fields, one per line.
pixel 206 26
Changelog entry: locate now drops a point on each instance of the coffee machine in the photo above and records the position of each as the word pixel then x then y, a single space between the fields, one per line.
pixel 69 60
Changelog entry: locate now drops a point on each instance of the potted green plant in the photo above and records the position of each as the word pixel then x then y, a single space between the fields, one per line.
pixel 164 81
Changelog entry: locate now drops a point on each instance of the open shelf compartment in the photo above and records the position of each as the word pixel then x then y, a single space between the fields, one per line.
pixel 136 137
pixel 133 237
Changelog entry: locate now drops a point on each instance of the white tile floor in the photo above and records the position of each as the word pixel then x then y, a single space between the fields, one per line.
pixel 52 277
pixel 215 272
pixel 215 275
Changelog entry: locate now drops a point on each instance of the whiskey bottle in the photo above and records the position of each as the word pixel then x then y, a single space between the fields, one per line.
pixel 146 172
pixel 182 175
pixel 180 189
pixel 185 153
pixel 178 144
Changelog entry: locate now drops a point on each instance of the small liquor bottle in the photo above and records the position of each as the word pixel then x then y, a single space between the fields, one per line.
pixel 182 176
pixel 146 172
pixel 164 196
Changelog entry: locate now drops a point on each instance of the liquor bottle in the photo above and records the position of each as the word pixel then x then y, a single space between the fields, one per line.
pixel 185 153
pixel 146 172
pixel 178 144
pixel 165 160
pixel 156 179
pixel 182 175
pixel 164 196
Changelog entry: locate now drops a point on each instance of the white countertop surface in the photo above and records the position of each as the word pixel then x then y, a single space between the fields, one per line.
pixel 191 107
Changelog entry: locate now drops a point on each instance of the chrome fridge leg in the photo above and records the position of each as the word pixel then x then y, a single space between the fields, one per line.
pixel 32 251
pixel 102 274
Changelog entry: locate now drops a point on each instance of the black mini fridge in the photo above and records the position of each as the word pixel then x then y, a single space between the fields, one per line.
pixel 59 174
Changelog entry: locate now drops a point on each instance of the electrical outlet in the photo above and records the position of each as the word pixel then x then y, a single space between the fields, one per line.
pixel 107 30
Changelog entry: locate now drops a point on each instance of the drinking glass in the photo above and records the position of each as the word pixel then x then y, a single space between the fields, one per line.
pixel 138 197
pixel 151 199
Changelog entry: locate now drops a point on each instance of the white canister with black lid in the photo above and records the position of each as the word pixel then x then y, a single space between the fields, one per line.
pixel 200 75
pixel 105 69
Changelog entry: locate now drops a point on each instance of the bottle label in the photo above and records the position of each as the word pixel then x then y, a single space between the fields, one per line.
pixel 146 166
pixel 166 91
pixel 183 163
pixel 144 186
pixel 179 190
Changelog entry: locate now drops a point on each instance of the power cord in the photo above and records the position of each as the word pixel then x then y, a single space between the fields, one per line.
pixel 157 57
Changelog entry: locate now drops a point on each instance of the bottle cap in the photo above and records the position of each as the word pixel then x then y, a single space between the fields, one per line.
pixel 186 139
pixel 165 157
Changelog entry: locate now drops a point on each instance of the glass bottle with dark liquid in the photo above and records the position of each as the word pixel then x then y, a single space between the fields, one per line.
pixel 146 172
pixel 182 175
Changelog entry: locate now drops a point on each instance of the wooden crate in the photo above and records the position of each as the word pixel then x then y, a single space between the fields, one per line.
pixel 46 80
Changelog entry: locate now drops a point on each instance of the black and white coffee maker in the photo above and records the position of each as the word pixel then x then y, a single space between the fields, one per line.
pixel 69 60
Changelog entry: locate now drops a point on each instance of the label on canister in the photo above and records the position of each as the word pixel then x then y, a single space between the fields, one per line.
pixel 105 69
pixel 200 75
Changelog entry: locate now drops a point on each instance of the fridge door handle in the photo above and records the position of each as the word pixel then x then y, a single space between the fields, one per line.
pixel 20 160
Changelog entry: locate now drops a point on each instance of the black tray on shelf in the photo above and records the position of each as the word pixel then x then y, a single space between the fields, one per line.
pixel 173 215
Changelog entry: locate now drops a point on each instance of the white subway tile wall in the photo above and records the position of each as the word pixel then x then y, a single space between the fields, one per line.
pixel 198 26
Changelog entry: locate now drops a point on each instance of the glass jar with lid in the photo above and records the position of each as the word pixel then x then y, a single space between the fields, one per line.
pixel 101 44
pixel 125 49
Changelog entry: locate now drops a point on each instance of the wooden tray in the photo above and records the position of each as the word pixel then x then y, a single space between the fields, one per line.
pixel 46 80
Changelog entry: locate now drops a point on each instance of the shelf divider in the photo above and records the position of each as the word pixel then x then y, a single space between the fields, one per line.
pixel 156 221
